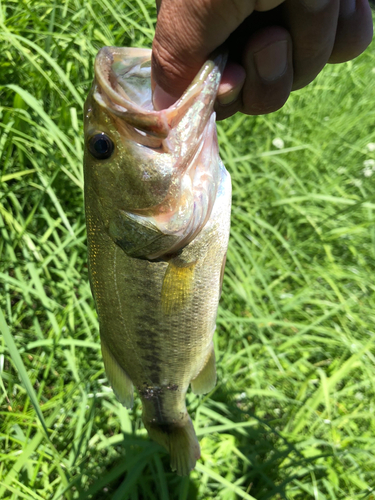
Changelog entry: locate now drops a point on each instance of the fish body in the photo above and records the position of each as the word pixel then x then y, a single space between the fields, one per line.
pixel 157 201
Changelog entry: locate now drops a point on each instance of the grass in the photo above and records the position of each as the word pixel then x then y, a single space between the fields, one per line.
pixel 292 415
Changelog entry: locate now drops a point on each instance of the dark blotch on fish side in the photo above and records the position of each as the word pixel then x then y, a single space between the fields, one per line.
pixel 148 344
pixel 166 428
pixel 152 358
pixel 155 376
pixel 147 336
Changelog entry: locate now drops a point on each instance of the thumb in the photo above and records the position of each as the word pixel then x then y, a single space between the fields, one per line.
pixel 186 34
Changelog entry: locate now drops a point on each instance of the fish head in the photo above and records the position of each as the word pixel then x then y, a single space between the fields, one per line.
pixel 152 171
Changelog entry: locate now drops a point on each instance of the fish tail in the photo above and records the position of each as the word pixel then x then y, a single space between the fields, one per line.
pixel 180 441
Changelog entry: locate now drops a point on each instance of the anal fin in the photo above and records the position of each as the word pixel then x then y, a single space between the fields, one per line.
pixel 206 378
pixel 120 381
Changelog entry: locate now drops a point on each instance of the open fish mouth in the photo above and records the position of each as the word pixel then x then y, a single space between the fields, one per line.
pixel 124 86
pixel 162 158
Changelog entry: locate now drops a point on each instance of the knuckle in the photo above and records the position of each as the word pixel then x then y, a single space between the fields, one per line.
pixel 239 10
pixel 228 14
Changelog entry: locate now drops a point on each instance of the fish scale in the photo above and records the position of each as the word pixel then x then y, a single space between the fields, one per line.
pixel 156 249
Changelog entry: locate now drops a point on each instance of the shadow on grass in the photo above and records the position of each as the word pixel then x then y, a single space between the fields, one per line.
pixel 274 462
pixel 141 472
pixel 141 468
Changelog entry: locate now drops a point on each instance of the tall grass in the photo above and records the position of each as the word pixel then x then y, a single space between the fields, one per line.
pixel 292 415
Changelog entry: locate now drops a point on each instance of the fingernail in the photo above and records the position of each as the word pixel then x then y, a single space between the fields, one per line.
pixel 229 97
pixel 161 99
pixel 271 61
pixel 347 7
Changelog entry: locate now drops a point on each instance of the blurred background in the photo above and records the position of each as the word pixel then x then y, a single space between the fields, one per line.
pixel 292 415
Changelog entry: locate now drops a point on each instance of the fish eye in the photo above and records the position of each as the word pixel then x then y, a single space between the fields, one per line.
pixel 101 146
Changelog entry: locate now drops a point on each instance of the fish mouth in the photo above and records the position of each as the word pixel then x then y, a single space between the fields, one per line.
pixel 123 77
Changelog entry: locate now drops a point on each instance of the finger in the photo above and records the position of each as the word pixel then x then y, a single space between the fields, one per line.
pixel 187 33
pixel 267 61
pixel 312 25
pixel 354 30
pixel 232 81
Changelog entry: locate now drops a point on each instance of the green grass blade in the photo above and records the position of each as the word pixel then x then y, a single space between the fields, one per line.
pixel 18 363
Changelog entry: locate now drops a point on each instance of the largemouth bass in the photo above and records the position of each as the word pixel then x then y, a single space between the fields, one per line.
pixel 157 200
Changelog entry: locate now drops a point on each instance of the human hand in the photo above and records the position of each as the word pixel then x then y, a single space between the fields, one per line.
pixel 275 47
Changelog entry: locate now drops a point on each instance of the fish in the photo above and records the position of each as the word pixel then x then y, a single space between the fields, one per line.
pixel 157 204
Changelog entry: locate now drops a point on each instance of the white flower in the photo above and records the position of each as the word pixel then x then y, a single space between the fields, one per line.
pixel 341 170
pixel 369 167
pixel 278 143
pixel 326 421
pixel 357 182
pixel 369 164
pixel 367 172
pixel 371 146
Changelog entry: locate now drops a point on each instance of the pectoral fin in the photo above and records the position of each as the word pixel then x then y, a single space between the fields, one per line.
pixel 121 384
pixel 177 287
pixel 206 379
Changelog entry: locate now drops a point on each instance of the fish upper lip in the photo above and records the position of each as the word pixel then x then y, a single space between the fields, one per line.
pixel 159 123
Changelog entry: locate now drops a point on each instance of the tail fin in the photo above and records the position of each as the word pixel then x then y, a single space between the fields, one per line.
pixel 180 441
